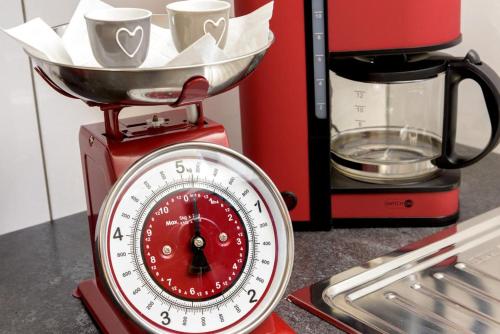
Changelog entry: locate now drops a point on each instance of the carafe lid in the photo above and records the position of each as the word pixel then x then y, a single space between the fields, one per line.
pixel 390 68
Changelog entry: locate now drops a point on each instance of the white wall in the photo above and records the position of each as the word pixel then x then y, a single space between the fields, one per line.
pixel 22 170
pixel 481 32
pixel 23 196
pixel 39 120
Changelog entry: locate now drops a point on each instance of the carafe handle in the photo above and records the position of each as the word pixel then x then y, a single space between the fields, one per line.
pixel 470 67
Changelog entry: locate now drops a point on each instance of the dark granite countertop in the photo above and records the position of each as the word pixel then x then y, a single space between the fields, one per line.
pixel 41 266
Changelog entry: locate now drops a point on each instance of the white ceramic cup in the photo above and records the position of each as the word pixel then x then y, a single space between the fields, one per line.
pixel 119 37
pixel 191 19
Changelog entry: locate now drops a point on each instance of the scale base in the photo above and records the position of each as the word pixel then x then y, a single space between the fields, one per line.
pixel 112 321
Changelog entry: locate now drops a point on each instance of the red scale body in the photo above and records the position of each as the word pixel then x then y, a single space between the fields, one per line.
pixel 282 135
pixel 104 160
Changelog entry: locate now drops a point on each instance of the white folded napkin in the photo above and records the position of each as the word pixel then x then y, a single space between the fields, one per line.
pixel 40 39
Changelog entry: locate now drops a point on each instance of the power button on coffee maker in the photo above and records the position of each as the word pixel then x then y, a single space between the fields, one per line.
pixel 473 57
pixel 290 199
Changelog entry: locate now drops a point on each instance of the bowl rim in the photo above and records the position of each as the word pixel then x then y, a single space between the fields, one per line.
pixel 184 6
pixel 270 41
pixel 89 15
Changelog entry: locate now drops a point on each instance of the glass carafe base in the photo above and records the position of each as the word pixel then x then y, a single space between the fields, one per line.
pixel 386 154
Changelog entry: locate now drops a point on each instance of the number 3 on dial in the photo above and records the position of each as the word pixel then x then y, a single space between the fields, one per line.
pixel 166 319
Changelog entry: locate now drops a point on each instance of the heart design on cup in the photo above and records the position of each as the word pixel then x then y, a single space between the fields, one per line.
pixel 213 27
pixel 123 34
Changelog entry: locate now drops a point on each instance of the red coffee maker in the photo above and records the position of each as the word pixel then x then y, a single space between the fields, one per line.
pixel 289 121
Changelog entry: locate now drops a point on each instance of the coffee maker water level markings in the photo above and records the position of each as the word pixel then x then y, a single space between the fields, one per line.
pixel 319 51
pixel 360 106
pixel 360 93
pixel 360 122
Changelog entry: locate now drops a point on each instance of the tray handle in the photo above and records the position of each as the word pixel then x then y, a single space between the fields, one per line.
pixel 53 84
pixel 194 91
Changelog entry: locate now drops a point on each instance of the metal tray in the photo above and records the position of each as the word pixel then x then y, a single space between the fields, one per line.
pixel 446 283
pixel 151 86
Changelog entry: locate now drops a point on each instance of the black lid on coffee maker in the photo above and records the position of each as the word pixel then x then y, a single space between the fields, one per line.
pixel 390 68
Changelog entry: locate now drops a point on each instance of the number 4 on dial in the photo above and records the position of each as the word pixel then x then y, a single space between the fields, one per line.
pixel 118 234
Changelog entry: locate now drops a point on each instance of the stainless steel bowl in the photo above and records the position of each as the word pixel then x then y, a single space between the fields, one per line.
pixel 152 86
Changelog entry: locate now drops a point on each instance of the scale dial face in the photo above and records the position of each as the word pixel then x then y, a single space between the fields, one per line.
pixel 195 238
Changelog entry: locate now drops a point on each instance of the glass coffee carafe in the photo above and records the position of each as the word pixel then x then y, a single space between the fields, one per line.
pixel 393 118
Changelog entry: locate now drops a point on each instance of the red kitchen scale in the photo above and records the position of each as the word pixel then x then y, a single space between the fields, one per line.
pixel 187 235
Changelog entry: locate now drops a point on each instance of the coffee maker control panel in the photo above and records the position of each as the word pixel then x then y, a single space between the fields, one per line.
pixel 320 59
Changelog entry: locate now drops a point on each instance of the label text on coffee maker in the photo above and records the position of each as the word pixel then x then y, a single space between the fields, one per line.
pixel 399 203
